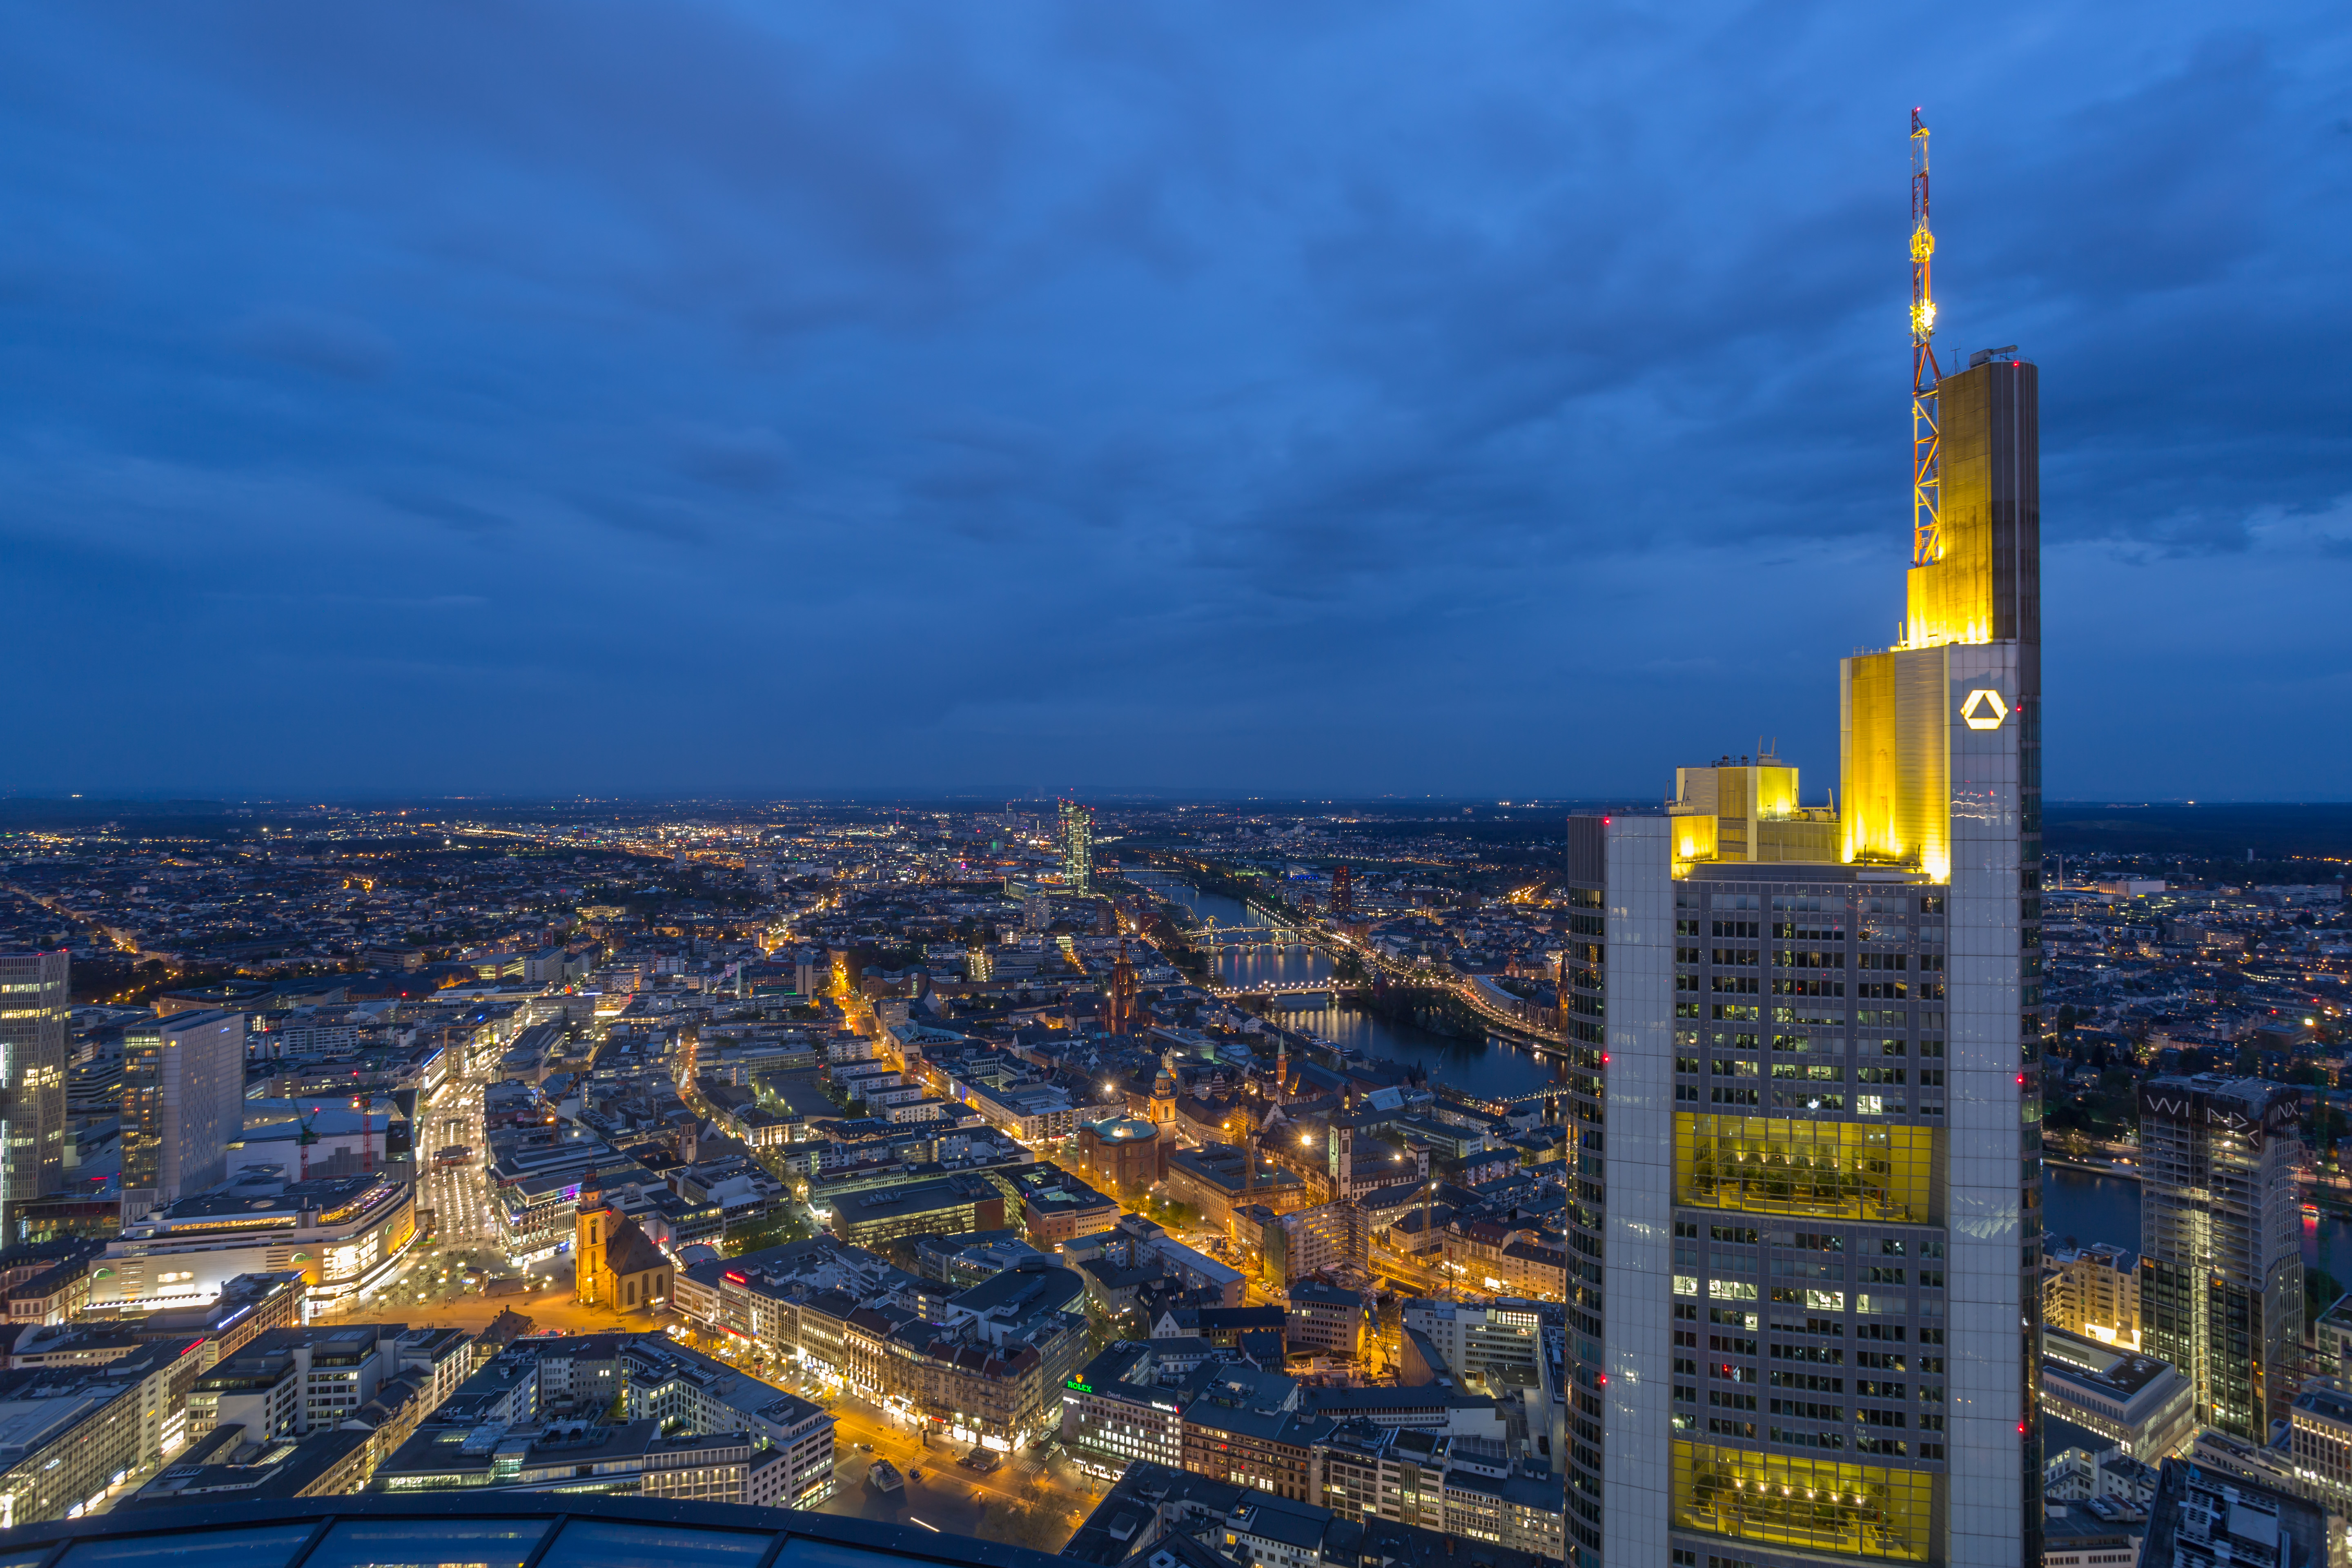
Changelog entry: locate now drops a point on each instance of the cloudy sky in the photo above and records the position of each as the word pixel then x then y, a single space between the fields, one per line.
pixel 1494 398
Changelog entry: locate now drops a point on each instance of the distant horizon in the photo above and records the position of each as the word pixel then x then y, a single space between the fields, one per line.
pixel 965 796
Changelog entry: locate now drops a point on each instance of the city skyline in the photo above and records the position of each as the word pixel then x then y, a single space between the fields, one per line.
pixel 1322 374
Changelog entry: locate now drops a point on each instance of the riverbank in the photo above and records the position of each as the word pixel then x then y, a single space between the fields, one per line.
pixel 2101 1206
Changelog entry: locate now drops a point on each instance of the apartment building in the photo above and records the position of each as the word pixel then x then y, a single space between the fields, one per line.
pixel 67 1432
pixel 2094 1291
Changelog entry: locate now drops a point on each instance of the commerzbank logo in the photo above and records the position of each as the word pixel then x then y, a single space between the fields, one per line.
pixel 1984 709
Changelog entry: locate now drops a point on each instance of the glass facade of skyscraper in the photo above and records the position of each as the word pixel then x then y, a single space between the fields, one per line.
pixel 2221 1223
pixel 34 1001
pixel 1077 846
pixel 1821 1030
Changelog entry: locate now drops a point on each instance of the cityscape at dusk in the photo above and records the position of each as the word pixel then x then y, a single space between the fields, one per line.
pixel 1175 788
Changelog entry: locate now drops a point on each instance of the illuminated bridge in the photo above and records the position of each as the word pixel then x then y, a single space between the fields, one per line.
pixel 1277 988
pixel 1211 934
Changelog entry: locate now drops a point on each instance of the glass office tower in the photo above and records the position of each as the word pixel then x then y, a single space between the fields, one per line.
pixel 36 998
pixel 2221 1238
pixel 182 1106
pixel 1077 846
pixel 1823 1144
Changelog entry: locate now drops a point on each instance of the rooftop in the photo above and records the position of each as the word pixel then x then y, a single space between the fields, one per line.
pixel 504 1530
pixel 2120 1374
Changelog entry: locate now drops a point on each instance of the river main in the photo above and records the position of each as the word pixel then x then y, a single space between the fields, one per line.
pixel 1487 1067
pixel 2091 1208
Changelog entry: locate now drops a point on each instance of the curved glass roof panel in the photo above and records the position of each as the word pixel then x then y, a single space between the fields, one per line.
pixel 260 1546
pixel 428 1543
pixel 617 1544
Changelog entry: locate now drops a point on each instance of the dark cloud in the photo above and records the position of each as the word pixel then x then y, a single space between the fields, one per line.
pixel 318 341
pixel 1357 396
pixel 746 459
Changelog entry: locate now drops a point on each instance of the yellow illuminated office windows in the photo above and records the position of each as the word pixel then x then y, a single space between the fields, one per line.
pixel 1815 1504
pixel 1770 1164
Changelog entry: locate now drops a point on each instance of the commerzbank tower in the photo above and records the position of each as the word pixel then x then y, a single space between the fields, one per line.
pixel 1804 1312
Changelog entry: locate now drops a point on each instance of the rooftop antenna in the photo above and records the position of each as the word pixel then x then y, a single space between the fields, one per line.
pixel 1927 458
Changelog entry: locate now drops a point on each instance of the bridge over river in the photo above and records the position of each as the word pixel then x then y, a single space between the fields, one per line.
pixel 1287 988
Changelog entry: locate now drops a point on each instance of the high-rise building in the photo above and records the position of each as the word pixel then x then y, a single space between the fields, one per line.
pixel 1817 1185
pixel 36 995
pixel 2221 1237
pixel 1077 846
pixel 182 1102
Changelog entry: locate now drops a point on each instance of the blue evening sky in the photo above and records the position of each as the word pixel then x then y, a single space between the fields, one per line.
pixel 1486 397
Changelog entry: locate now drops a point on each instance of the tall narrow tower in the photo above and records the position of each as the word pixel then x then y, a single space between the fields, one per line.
pixel 32 1077
pixel 1819 1038
pixel 1077 848
pixel 592 1230
pixel 1118 1006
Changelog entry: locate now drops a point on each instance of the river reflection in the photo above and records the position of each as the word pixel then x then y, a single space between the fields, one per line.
pixel 1485 1066
pixel 2092 1208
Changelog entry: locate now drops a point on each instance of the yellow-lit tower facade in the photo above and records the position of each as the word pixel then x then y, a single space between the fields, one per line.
pixel 1811 1330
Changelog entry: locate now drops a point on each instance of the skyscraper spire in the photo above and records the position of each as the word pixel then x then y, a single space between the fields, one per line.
pixel 1926 455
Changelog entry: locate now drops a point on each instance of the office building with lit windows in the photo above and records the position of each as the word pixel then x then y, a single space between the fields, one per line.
pixel 344 1235
pixel 2221 1223
pixel 1818 1031
pixel 183 1104
pixel 1077 846
pixel 36 995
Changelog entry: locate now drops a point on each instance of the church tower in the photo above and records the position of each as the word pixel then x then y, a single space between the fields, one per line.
pixel 1163 1092
pixel 592 1229
pixel 1118 1006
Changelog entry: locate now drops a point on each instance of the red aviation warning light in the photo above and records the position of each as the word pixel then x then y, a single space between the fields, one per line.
pixel 1927 476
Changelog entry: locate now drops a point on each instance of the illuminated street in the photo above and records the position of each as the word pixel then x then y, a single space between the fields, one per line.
pixel 1022 1496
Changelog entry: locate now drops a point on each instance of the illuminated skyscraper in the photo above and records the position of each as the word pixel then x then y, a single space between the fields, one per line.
pixel 35 996
pixel 1813 1240
pixel 1077 846
pixel 183 1105
pixel 2221 1239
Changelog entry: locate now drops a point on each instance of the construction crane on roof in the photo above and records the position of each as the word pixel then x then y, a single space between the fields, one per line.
pixel 1927 458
